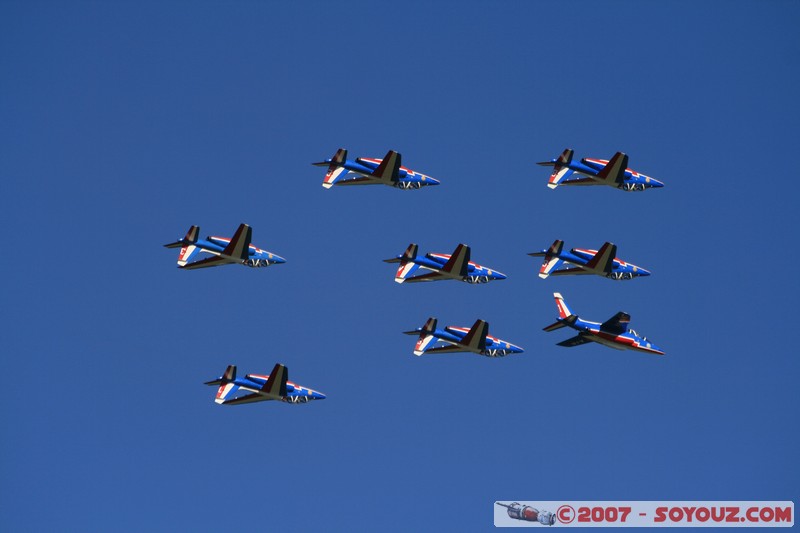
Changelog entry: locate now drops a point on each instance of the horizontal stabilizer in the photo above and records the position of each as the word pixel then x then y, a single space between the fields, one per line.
pixel 190 238
pixel 409 255
pixel 554 326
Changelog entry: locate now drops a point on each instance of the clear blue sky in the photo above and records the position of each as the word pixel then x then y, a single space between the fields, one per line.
pixel 123 123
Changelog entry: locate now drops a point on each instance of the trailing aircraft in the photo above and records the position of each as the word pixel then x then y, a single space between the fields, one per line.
pixel 224 251
pixel 613 333
pixel 437 267
pixel 273 386
pixel 583 261
pixel 614 173
pixel 368 171
pixel 456 339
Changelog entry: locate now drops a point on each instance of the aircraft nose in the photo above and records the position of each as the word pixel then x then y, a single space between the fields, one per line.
pixel 500 275
pixel 655 183
pixel 319 396
pixel 277 259
pixel 643 272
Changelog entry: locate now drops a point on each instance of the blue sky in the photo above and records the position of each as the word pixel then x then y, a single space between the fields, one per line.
pixel 125 123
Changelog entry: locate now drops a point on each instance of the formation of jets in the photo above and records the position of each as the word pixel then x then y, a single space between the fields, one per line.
pixel 457 339
pixel 413 268
pixel 436 267
pixel 223 251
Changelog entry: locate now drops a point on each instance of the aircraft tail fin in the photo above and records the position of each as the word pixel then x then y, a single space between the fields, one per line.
pixel 603 260
pixel 226 385
pixel 275 386
pixel 239 247
pixel 407 264
pixel 475 339
pixel 190 238
pixel 335 168
pixel 551 258
pixel 563 310
pixel 426 337
pixel 389 169
pixel 614 171
pixel 459 261
pixel 409 255
pixel 561 168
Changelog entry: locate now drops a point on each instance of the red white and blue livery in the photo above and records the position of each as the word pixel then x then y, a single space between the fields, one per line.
pixel 223 251
pixel 603 262
pixel 614 173
pixel 369 171
pixel 453 339
pixel 613 333
pixel 260 388
pixel 436 267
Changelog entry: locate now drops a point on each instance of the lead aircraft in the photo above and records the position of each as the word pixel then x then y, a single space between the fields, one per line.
pixel 437 267
pixel 457 339
pixel 273 386
pixel 224 251
pixel 613 333
pixel 368 171
pixel 584 261
pixel 614 173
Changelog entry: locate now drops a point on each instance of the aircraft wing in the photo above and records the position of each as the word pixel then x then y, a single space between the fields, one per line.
pixel 446 349
pixel 603 260
pixel 574 341
pixel 208 262
pixel 459 261
pixel 239 247
pixel 570 271
pixel 275 386
pixel 361 179
pixel 247 398
pixel 617 323
pixel 430 276
pixel 614 172
pixel 475 339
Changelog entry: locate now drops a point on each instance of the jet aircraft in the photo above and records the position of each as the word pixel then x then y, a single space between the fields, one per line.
pixel 583 261
pixel 614 173
pixel 437 267
pixel 613 333
pixel 224 251
pixel 367 171
pixel 456 339
pixel 274 386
